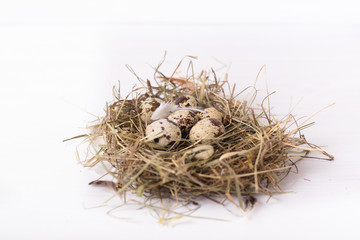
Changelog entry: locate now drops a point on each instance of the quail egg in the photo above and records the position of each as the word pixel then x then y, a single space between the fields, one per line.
pixel 186 101
pixel 201 152
pixel 185 119
pixel 148 107
pixel 205 154
pixel 211 113
pixel 163 132
pixel 206 130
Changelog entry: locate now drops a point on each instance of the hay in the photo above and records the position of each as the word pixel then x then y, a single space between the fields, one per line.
pixel 253 155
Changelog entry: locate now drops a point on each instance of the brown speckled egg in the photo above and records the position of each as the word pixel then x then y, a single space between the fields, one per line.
pixel 148 107
pixel 206 129
pixel 186 101
pixel 185 119
pixel 211 113
pixel 169 132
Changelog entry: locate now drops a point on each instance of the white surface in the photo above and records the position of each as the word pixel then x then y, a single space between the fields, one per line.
pixel 60 59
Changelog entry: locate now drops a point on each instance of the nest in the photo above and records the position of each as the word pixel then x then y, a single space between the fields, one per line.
pixel 251 157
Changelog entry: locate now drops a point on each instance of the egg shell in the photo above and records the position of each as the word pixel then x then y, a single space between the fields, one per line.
pixel 168 130
pixel 185 119
pixel 206 129
pixel 211 113
pixel 205 152
pixel 186 101
pixel 148 107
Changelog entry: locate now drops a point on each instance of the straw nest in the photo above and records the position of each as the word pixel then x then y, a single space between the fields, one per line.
pixel 253 154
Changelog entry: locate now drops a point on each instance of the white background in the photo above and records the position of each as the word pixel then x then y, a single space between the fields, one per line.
pixel 60 59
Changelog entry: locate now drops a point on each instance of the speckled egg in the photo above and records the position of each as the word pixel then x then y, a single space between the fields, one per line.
pixel 206 129
pixel 163 132
pixel 211 113
pixel 185 119
pixel 148 107
pixel 186 101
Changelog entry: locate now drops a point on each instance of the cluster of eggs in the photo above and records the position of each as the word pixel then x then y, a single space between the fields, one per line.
pixel 199 126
